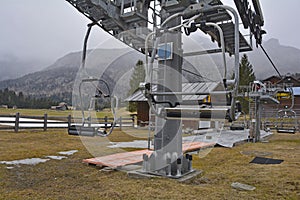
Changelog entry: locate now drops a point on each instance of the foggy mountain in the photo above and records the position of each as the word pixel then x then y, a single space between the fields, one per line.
pixel 57 80
pixel 115 66
pixel 12 67
pixel 285 58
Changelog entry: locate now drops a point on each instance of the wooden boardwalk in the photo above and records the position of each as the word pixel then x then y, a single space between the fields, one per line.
pixel 134 157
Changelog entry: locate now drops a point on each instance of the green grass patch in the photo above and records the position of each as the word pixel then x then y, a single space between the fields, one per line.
pixel 71 179
pixel 35 112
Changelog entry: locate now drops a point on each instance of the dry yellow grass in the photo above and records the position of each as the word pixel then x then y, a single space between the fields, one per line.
pixel 51 113
pixel 71 179
pixel 35 112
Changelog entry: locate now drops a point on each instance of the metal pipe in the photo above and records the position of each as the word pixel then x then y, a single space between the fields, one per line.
pixel 237 44
pixel 293 98
pixel 81 104
pixel 170 18
pixel 146 53
pixel 235 81
pixel 190 93
pixel 222 45
pixel 90 26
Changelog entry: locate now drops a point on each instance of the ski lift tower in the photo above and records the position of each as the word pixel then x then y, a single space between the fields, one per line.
pixel 154 28
pixel 259 93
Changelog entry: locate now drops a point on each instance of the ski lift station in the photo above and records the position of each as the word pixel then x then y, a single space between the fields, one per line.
pixel 164 33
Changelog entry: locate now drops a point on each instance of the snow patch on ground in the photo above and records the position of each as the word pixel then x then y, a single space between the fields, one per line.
pixel 27 161
pixel 134 144
pixel 56 157
pixel 68 153
pixel 35 161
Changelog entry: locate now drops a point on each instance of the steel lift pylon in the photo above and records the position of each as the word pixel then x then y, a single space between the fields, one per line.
pixel 154 28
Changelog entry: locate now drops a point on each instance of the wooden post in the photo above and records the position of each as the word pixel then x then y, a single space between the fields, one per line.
pixel 17 122
pixel 132 120
pixel 120 123
pixel 105 121
pixel 45 121
pixel 69 121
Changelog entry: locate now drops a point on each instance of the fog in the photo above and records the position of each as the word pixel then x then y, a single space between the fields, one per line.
pixel 45 30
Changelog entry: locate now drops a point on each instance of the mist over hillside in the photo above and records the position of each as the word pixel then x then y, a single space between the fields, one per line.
pixel 12 67
pixel 115 66
pixel 57 80
pixel 285 58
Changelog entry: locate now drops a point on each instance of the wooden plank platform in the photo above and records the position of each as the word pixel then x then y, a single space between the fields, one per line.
pixel 133 157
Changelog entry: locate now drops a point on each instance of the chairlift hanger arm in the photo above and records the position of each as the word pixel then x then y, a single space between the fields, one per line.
pixel 90 26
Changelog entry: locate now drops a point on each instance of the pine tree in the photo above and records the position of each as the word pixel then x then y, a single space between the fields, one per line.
pixel 11 98
pixel 137 77
pixel 246 76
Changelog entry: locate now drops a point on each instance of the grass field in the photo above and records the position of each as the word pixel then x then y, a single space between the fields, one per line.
pixel 35 112
pixel 56 113
pixel 71 179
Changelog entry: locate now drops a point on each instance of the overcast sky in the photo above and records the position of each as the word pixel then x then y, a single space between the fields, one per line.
pixel 49 29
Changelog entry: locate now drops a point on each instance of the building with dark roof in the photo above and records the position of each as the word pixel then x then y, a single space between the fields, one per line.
pixel 290 81
pixel 287 79
pixel 199 87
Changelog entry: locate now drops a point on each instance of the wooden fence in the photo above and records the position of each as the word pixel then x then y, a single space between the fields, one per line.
pixel 17 121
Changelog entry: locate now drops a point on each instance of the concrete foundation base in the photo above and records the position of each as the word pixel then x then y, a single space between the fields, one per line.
pixel 183 178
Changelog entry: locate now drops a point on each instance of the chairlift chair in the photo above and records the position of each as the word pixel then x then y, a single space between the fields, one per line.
pixel 286 121
pixel 176 110
pixel 286 118
pixel 87 126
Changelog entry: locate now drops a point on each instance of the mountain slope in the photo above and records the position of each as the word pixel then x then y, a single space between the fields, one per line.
pixel 12 67
pixel 115 67
pixel 57 81
pixel 285 58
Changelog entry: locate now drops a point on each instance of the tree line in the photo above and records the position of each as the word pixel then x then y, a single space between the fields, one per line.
pixel 11 99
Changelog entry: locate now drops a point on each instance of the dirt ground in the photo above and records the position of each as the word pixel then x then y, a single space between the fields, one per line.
pixel 71 179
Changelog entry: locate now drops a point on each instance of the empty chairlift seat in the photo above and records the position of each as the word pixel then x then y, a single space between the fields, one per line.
pixel 88 131
pixel 194 112
pixel 82 131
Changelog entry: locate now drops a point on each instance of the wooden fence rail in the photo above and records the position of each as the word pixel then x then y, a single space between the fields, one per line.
pixel 17 121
